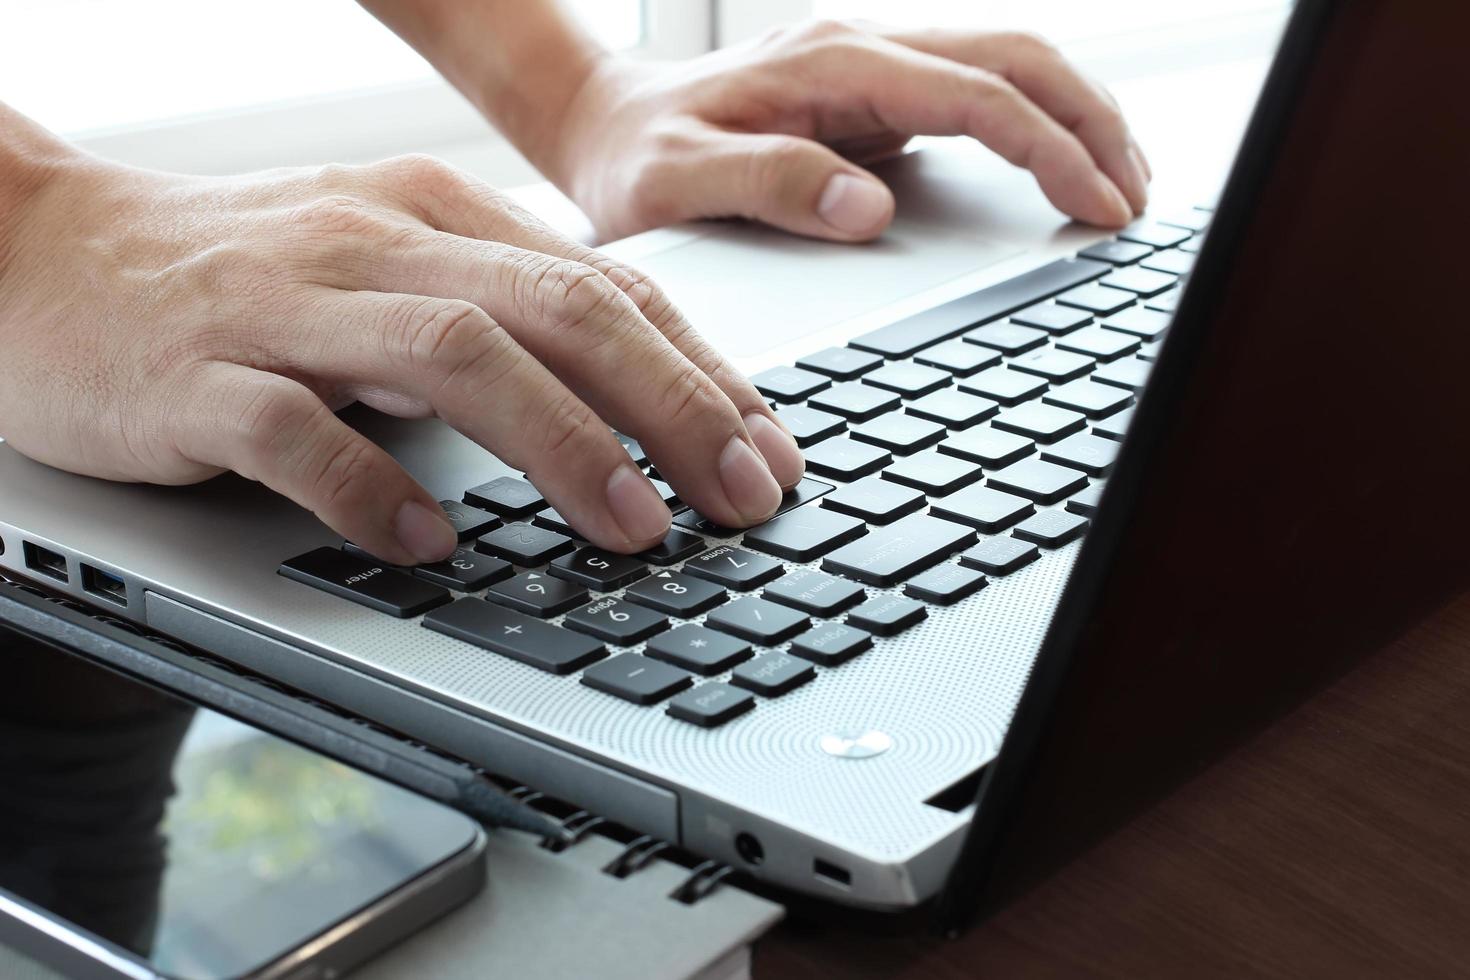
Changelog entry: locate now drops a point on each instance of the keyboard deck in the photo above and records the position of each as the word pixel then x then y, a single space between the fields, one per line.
pixel 942 450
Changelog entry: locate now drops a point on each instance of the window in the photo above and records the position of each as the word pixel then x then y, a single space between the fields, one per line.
pixel 80 65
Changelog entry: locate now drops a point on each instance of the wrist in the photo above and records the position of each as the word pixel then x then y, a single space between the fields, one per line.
pixel 30 159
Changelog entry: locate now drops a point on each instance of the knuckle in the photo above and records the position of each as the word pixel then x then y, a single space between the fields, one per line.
pixel 1031 44
pixel 421 172
pixel 573 296
pixel 334 214
pixel 342 473
pixel 688 394
pixel 565 424
pixel 822 29
pixel 437 335
pixel 271 419
pixel 770 163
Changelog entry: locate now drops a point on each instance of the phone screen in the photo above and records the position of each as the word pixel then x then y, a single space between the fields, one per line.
pixel 204 846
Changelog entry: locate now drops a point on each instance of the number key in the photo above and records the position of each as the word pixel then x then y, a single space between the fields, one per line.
pixel 616 621
pixel 677 594
pixel 734 568
pixel 601 570
pixel 539 595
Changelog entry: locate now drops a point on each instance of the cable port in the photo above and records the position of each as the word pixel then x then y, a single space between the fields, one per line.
pixel 748 846
pixel 104 585
pixel 45 561
pixel 832 874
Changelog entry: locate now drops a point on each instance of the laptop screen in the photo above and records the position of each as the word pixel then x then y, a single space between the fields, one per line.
pixel 1291 493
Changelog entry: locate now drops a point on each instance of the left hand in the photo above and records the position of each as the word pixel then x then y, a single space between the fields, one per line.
pixel 777 130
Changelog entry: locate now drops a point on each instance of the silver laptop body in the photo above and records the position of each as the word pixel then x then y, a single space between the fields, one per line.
pixel 829 781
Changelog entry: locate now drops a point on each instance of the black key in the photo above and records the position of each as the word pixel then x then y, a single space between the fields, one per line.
pixel 958 357
pixel 1144 282
pixel 1152 233
pixel 710 704
pixel 1130 373
pixel 804 533
pixel 1008 338
pixel 676 546
pixel 1139 321
pixel 1172 261
pixel 1044 423
pixel 1056 366
pixel 772 674
pixel 1088 397
pixel 1051 528
pixel 1194 219
pixel 616 621
pixel 829 644
pixel 1099 343
pixel 1164 302
pixel 364 581
pixel 808 425
pixel 953 408
pixel 507 496
pixel 1116 252
pixel 875 501
pixel 758 620
pixel 510 634
pixel 814 592
pixel 842 363
pixel 468 522
pixel 676 594
pixel 1098 300
pixel 846 459
pixel 734 568
pixel 789 384
pixel 901 434
pixel 635 678
pixel 945 584
pixel 668 495
pixel 1000 556
pixel 989 447
pixel 1114 426
pixel 1052 318
pixel 986 508
pixel 465 571
pixel 1088 453
pixel 806 490
pixel 1003 385
pixel 933 472
pixel 704 651
pixel 635 451
pixel 907 378
pixel 887 615
pixel 1039 480
pixel 602 571
pixel 854 400
pixel 893 553
pixel 537 595
pixel 1085 502
pixel 524 544
pixel 901 339
pixel 552 520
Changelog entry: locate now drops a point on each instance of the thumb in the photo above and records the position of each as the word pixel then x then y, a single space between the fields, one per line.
pixel 793 183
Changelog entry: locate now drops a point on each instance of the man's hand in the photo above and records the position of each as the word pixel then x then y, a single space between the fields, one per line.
pixel 161 328
pixel 777 130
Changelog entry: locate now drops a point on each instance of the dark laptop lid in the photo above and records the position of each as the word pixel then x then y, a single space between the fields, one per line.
pixel 1293 492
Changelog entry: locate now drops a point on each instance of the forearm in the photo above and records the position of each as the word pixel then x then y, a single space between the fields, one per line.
pixel 519 61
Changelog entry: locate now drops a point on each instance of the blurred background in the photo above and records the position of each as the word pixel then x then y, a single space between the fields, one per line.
pixel 229 85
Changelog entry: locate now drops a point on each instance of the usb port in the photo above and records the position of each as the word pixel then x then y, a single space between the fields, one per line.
pixel 104 585
pixel 45 561
pixel 831 873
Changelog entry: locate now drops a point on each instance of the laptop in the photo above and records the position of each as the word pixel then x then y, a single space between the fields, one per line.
pixel 987 626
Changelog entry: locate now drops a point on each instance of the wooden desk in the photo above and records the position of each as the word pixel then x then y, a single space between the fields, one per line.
pixel 1335 844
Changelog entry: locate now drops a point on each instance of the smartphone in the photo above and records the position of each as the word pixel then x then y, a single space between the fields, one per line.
pixel 145 836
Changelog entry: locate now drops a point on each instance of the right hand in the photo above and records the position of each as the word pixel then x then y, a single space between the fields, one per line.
pixel 162 328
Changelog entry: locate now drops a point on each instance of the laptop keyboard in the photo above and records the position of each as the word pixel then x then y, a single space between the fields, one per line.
pixel 942 450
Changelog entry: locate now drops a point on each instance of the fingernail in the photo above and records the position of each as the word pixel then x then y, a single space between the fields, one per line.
pixel 636 505
pixel 852 205
pixel 1113 201
pixel 423 533
pixel 748 481
pixel 783 458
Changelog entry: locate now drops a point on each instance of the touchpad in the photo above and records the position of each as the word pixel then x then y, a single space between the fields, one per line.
pixel 747 288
